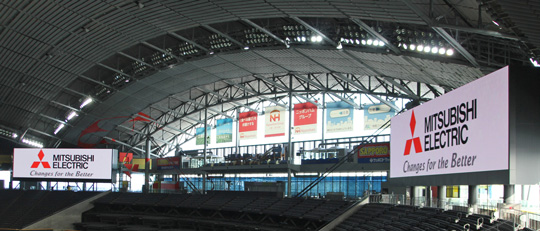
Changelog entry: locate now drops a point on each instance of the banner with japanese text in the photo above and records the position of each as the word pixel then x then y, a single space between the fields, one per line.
pixel 247 122
pixel 339 117
pixel 305 118
pixel 376 115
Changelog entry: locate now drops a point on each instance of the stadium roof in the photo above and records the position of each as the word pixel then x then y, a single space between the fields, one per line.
pixel 155 66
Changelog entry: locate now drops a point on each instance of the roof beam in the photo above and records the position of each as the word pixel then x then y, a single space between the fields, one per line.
pixel 254 92
pixel 315 30
pixel 136 59
pixel 223 97
pixel 264 30
pixel 340 76
pixel 200 105
pixel 442 33
pixel 162 51
pixel 188 41
pixel 113 69
pixel 264 79
pixel 223 35
pixel 328 92
pixel 376 34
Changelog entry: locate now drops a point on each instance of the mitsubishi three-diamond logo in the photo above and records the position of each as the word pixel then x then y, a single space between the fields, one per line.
pixel 414 140
pixel 44 163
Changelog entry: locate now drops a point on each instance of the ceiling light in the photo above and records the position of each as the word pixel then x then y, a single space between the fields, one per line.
pixel 534 62
pixel 86 102
pixel 71 116
pixel 450 52
pixel 420 47
pixel 339 46
pixel 496 23
pixel 369 42
pixel 246 48
pixel 381 43
pixel 314 38
pixel 14 135
pixel 363 42
pixel 303 39
pixel 357 42
pixel 319 38
pixel 442 51
pixel 427 49
pixel 376 43
pixel 434 50
pixel 405 46
pixel 59 128
pixel 412 47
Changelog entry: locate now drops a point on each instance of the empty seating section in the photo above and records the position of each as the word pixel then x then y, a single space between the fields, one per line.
pixel 213 211
pixel 381 217
pixel 22 208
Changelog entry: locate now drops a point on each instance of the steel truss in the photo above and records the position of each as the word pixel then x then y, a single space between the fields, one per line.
pixel 179 114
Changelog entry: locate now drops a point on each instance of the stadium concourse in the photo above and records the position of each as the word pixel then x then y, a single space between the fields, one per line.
pixel 269 115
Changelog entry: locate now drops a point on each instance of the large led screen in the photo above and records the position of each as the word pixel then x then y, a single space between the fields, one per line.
pixel 63 164
pixel 465 130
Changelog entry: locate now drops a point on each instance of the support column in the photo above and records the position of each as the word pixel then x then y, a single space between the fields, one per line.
pixel 473 195
pixel 323 117
pixel 441 195
pixel 205 146
pixel 411 194
pixel 428 196
pixel 509 194
pixel 290 151
pixel 289 183
pixel 147 165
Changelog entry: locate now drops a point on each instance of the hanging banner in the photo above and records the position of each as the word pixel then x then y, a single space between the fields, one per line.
pixel 339 117
pixel 168 163
pixel 274 121
pixel 199 134
pixel 247 125
pixel 224 130
pixel 376 115
pixel 305 118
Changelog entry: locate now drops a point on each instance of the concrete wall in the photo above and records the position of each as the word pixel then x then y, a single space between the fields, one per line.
pixel 66 218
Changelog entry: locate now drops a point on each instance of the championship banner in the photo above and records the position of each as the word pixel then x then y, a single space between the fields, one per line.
pixel 274 121
pixel 376 115
pixel 374 153
pixel 199 135
pixel 305 118
pixel 224 130
pixel 339 117
pixel 247 122
pixel 463 131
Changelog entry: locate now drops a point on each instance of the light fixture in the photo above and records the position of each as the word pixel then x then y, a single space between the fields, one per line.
pixel 420 47
pixel 32 143
pixel 434 50
pixel 246 48
pixel 412 47
pixel 534 62
pixel 86 102
pixel 381 43
pixel 376 43
pixel 59 128
pixel 450 52
pixel 427 49
pixel 339 46
pixel 303 39
pixel 14 135
pixel 496 23
pixel 405 46
pixel 71 116
pixel 364 42
pixel 369 42
pixel 442 51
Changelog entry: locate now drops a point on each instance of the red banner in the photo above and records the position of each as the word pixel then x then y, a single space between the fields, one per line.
pixel 248 125
pixel 305 118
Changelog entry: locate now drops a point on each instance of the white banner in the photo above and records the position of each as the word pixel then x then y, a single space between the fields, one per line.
pixel 465 130
pixel 274 121
pixel 67 164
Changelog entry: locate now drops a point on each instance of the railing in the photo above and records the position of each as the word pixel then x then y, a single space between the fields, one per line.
pixel 520 219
